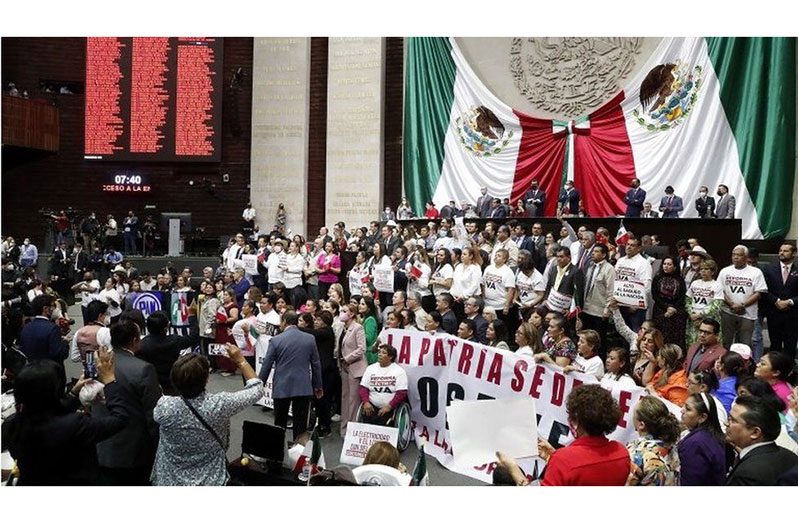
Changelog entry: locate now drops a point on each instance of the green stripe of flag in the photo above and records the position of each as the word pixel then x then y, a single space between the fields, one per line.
pixel 429 94
pixel 757 89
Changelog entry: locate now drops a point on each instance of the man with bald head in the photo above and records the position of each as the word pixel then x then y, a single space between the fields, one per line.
pixel 743 286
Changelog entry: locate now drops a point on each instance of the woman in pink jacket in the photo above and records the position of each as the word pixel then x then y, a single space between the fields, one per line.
pixel 352 363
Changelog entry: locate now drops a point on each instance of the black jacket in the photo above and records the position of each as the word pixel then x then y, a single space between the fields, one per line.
pixel 763 466
pixel 61 449
pixel 163 351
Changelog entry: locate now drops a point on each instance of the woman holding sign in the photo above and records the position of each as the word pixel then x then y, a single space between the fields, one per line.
pixel 328 264
pixel 591 459
pixel 704 298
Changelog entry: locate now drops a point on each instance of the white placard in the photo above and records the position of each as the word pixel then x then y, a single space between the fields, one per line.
pixel 250 263
pixel 630 293
pixel 383 278
pixel 558 301
pixel 261 346
pixel 479 428
pixel 355 282
pixel 359 439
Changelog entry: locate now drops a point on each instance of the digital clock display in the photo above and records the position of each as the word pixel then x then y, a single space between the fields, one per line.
pixel 129 183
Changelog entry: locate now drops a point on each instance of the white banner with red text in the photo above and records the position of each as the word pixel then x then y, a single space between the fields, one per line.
pixel 443 368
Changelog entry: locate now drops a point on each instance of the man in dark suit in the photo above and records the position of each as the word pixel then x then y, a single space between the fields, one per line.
pixel 538 246
pixel 535 201
pixel 162 349
pixel 448 210
pixel 670 205
pixel 297 374
pixel 753 428
pixel 483 203
pixel 634 199
pixel 126 458
pixel 520 238
pixel 473 308
pixel 705 205
pixel 497 210
pixel 569 201
pixel 702 356
pixel 566 279
pixel 41 339
pixel 648 212
pixel 79 263
pixel 443 304
pixel 781 301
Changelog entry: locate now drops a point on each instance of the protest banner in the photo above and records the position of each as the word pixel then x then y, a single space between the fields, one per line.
pixel 442 368
pixel 359 439
pixel 558 301
pixel 383 278
pixel 261 347
pixel 630 293
pixel 250 263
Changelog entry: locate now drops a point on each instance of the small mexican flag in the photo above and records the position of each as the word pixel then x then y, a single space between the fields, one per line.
pixel 420 475
pixel 312 454
pixel 622 235
pixel 221 315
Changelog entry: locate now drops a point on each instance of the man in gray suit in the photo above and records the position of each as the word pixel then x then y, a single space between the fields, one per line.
pixel 126 459
pixel 297 374
pixel 726 203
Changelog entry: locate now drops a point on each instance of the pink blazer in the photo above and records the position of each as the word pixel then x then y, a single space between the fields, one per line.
pixel 353 350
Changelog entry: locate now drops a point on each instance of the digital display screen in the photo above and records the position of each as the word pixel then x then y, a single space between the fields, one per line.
pixel 153 99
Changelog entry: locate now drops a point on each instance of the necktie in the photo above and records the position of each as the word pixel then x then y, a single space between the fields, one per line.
pixel 785 273
pixel 591 274
pixel 670 200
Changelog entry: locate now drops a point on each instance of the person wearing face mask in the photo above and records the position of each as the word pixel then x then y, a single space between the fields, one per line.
pixel 93 334
pixel 40 338
pixel 28 254
pixel 704 204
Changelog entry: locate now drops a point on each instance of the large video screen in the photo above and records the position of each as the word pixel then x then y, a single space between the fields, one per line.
pixel 153 99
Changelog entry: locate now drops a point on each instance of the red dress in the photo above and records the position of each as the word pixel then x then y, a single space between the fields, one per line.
pixel 432 213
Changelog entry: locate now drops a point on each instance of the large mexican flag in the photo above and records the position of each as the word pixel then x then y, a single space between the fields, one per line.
pixel 717 111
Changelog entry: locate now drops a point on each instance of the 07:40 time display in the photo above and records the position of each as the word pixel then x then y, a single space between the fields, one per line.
pixel 127 184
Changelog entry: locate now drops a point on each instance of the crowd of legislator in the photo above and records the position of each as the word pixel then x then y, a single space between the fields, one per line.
pixel 695 341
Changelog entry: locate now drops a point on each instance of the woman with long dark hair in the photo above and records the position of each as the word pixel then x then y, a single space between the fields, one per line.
pixel 367 316
pixel 670 381
pixel 702 451
pixel 52 443
pixel 668 291
pixel 329 267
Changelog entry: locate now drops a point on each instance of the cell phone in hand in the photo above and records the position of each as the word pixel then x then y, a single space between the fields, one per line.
pixel 90 365
pixel 217 349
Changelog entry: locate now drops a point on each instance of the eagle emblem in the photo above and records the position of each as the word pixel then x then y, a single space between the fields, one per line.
pixel 667 95
pixel 481 132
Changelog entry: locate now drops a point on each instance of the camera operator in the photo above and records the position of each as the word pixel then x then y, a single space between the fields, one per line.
pixel 90 230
